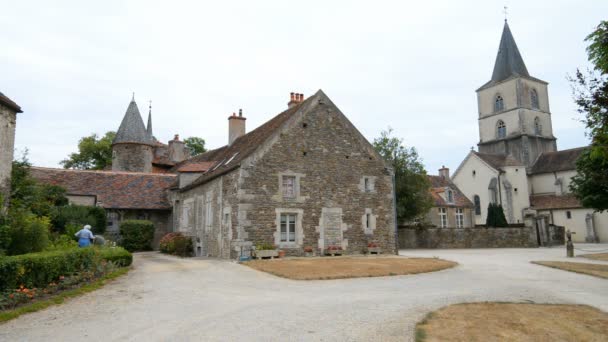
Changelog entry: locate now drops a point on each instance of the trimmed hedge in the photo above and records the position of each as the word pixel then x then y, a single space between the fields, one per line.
pixel 137 235
pixel 40 269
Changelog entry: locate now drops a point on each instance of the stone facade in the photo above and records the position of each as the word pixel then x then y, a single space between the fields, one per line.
pixel 326 161
pixel 132 157
pixel 467 237
pixel 8 120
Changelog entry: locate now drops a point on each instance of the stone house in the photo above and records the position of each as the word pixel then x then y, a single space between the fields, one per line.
pixel 451 208
pixel 518 164
pixel 306 177
pixel 8 120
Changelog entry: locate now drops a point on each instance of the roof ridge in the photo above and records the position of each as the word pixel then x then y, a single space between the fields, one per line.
pixel 105 172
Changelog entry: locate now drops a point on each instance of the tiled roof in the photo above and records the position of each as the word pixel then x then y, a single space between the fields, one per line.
pixel 117 190
pixel 9 103
pixel 498 161
pixel 438 187
pixel 540 202
pixel 197 166
pixel 209 156
pixel 229 157
pixel 557 161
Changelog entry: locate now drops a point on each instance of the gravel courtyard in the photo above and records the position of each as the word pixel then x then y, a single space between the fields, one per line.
pixel 169 299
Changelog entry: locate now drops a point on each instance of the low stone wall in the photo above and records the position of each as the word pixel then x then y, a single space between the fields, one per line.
pixel 466 237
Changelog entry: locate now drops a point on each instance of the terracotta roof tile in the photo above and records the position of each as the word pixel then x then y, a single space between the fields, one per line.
pixel 196 166
pixel 540 202
pixel 117 190
pixel 438 185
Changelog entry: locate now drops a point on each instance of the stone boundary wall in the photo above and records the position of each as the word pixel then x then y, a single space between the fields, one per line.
pixel 410 237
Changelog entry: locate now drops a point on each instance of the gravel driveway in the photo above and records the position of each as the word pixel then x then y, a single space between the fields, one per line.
pixel 169 299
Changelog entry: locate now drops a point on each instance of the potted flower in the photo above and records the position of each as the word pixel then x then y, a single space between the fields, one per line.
pixel 281 253
pixel 308 250
pixel 266 250
pixel 334 250
pixel 373 248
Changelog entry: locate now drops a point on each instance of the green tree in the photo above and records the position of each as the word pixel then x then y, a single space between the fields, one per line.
pixel 196 145
pixel 590 91
pixel 411 182
pixel 94 153
pixel 496 216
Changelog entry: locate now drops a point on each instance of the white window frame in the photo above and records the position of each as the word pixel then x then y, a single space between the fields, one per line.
pixel 449 195
pixel 459 218
pixel 288 228
pixel 298 239
pixel 443 217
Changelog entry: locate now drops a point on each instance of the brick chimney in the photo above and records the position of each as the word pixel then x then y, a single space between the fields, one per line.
pixel 295 99
pixel 444 172
pixel 177 150
pixel 236 126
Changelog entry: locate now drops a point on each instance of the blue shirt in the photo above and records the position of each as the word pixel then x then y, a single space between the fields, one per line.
pixel 84 234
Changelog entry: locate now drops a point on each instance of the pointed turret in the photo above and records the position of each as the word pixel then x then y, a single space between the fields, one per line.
pixel 149 127
pixel 132 128
pixel 508 61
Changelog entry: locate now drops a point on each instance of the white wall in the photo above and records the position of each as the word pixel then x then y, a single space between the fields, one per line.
pixel 544 183
pixel 516 175
pixel 475 185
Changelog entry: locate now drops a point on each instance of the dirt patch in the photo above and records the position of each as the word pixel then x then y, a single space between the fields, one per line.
pixel 348 267
pixel 599 256
pixel 514 322
pixel 596 270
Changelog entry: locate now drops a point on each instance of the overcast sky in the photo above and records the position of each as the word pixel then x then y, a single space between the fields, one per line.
pixel 413 66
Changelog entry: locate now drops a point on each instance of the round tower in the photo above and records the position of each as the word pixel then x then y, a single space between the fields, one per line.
pixel 133 146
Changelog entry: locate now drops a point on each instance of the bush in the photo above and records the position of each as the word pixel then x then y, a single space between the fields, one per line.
pixel 496 216
pixel 80 215
pixel 23 233
pixel 40 269
pixel 265 246
pixel 137 235
pixel 176 244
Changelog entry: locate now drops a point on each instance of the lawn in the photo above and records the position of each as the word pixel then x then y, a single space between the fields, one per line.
pixel 514 322
pixel 600 256
pixel 596 270
pixel 348 267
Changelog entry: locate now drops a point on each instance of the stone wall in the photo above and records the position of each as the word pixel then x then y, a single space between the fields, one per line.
pixel 132 157
pixel 8 119
pixel 467 237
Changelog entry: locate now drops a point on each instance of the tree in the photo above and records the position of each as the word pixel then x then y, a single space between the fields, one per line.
pixel 196 145
pixel 411 182
pixel 94 153
pixel 496 216
pixel 590 185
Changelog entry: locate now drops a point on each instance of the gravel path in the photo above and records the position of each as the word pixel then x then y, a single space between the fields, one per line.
pixel 170 299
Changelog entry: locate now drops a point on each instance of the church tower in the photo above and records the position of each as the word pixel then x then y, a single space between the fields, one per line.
pixel 132 148
pixel 514 115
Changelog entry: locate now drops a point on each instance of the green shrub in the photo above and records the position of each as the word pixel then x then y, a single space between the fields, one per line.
pixel 265 246
pixel 62 241
pixel 137 235
pixel 24 233
pixel 176 244
pixel 40 269
pixel 80 215
pixel 496 216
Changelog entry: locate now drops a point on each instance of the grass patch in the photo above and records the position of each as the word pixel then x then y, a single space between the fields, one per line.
pixel 61 297
pixel 599 256
pixel 348 267
pixel 595 270
pixel 513 322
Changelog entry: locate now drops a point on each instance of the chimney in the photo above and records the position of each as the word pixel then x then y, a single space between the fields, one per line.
pixel 177 150
pixel 295 99
pixel 236 126
pixel 444 172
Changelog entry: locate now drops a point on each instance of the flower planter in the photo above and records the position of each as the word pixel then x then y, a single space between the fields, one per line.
pixel 281 254
pixel 266 253
pixel 374 250
pixel 309 254
pixel 334 252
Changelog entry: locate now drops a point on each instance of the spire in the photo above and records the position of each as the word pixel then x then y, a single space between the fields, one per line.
pixel 132 127
pixel 149 127
pixel 508 61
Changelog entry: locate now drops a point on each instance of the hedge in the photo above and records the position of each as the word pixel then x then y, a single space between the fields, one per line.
pixel 176 244
pixel 40 269
pixel 137 235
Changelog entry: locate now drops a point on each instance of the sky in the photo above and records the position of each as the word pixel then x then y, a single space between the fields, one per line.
pixel 413 66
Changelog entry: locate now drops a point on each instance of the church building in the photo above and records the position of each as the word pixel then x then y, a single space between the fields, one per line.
pixel 517 163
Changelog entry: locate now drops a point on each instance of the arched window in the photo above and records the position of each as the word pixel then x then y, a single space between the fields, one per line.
pixel 450 196
pixel 534 98
pixel 499 104
pixel 477 203
pixel 501 129
pixel 538 129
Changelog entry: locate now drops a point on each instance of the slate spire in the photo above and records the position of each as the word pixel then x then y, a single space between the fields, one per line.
pixel 508 61
pixel 149 127
pixel 132 129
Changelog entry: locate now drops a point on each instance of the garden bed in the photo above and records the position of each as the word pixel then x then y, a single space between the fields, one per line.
pixel 596 270
pixel 599 256
pixel 348 267
pixel 514 322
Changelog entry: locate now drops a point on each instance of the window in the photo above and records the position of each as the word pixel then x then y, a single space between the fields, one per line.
pixel 112 219
pixel 367 184
pixel 501 129
pixel 450 196
pixel 289 186
pixel 459 218
pixel 226 219
pixel 537 127
pixel 443 217
pixel 477 203
pixel 568 214
pixel 208 213
pixel 288 227
pixel 368 220
pixel 499 104
pixel 534 99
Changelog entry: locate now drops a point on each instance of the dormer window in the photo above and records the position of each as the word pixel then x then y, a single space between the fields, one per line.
pixel 501 129
pixel 537 126
pixel 499 104
pixel 534 99
pixel 450 195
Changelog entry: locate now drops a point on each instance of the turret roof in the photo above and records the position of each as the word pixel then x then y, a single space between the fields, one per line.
pixel 132 128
